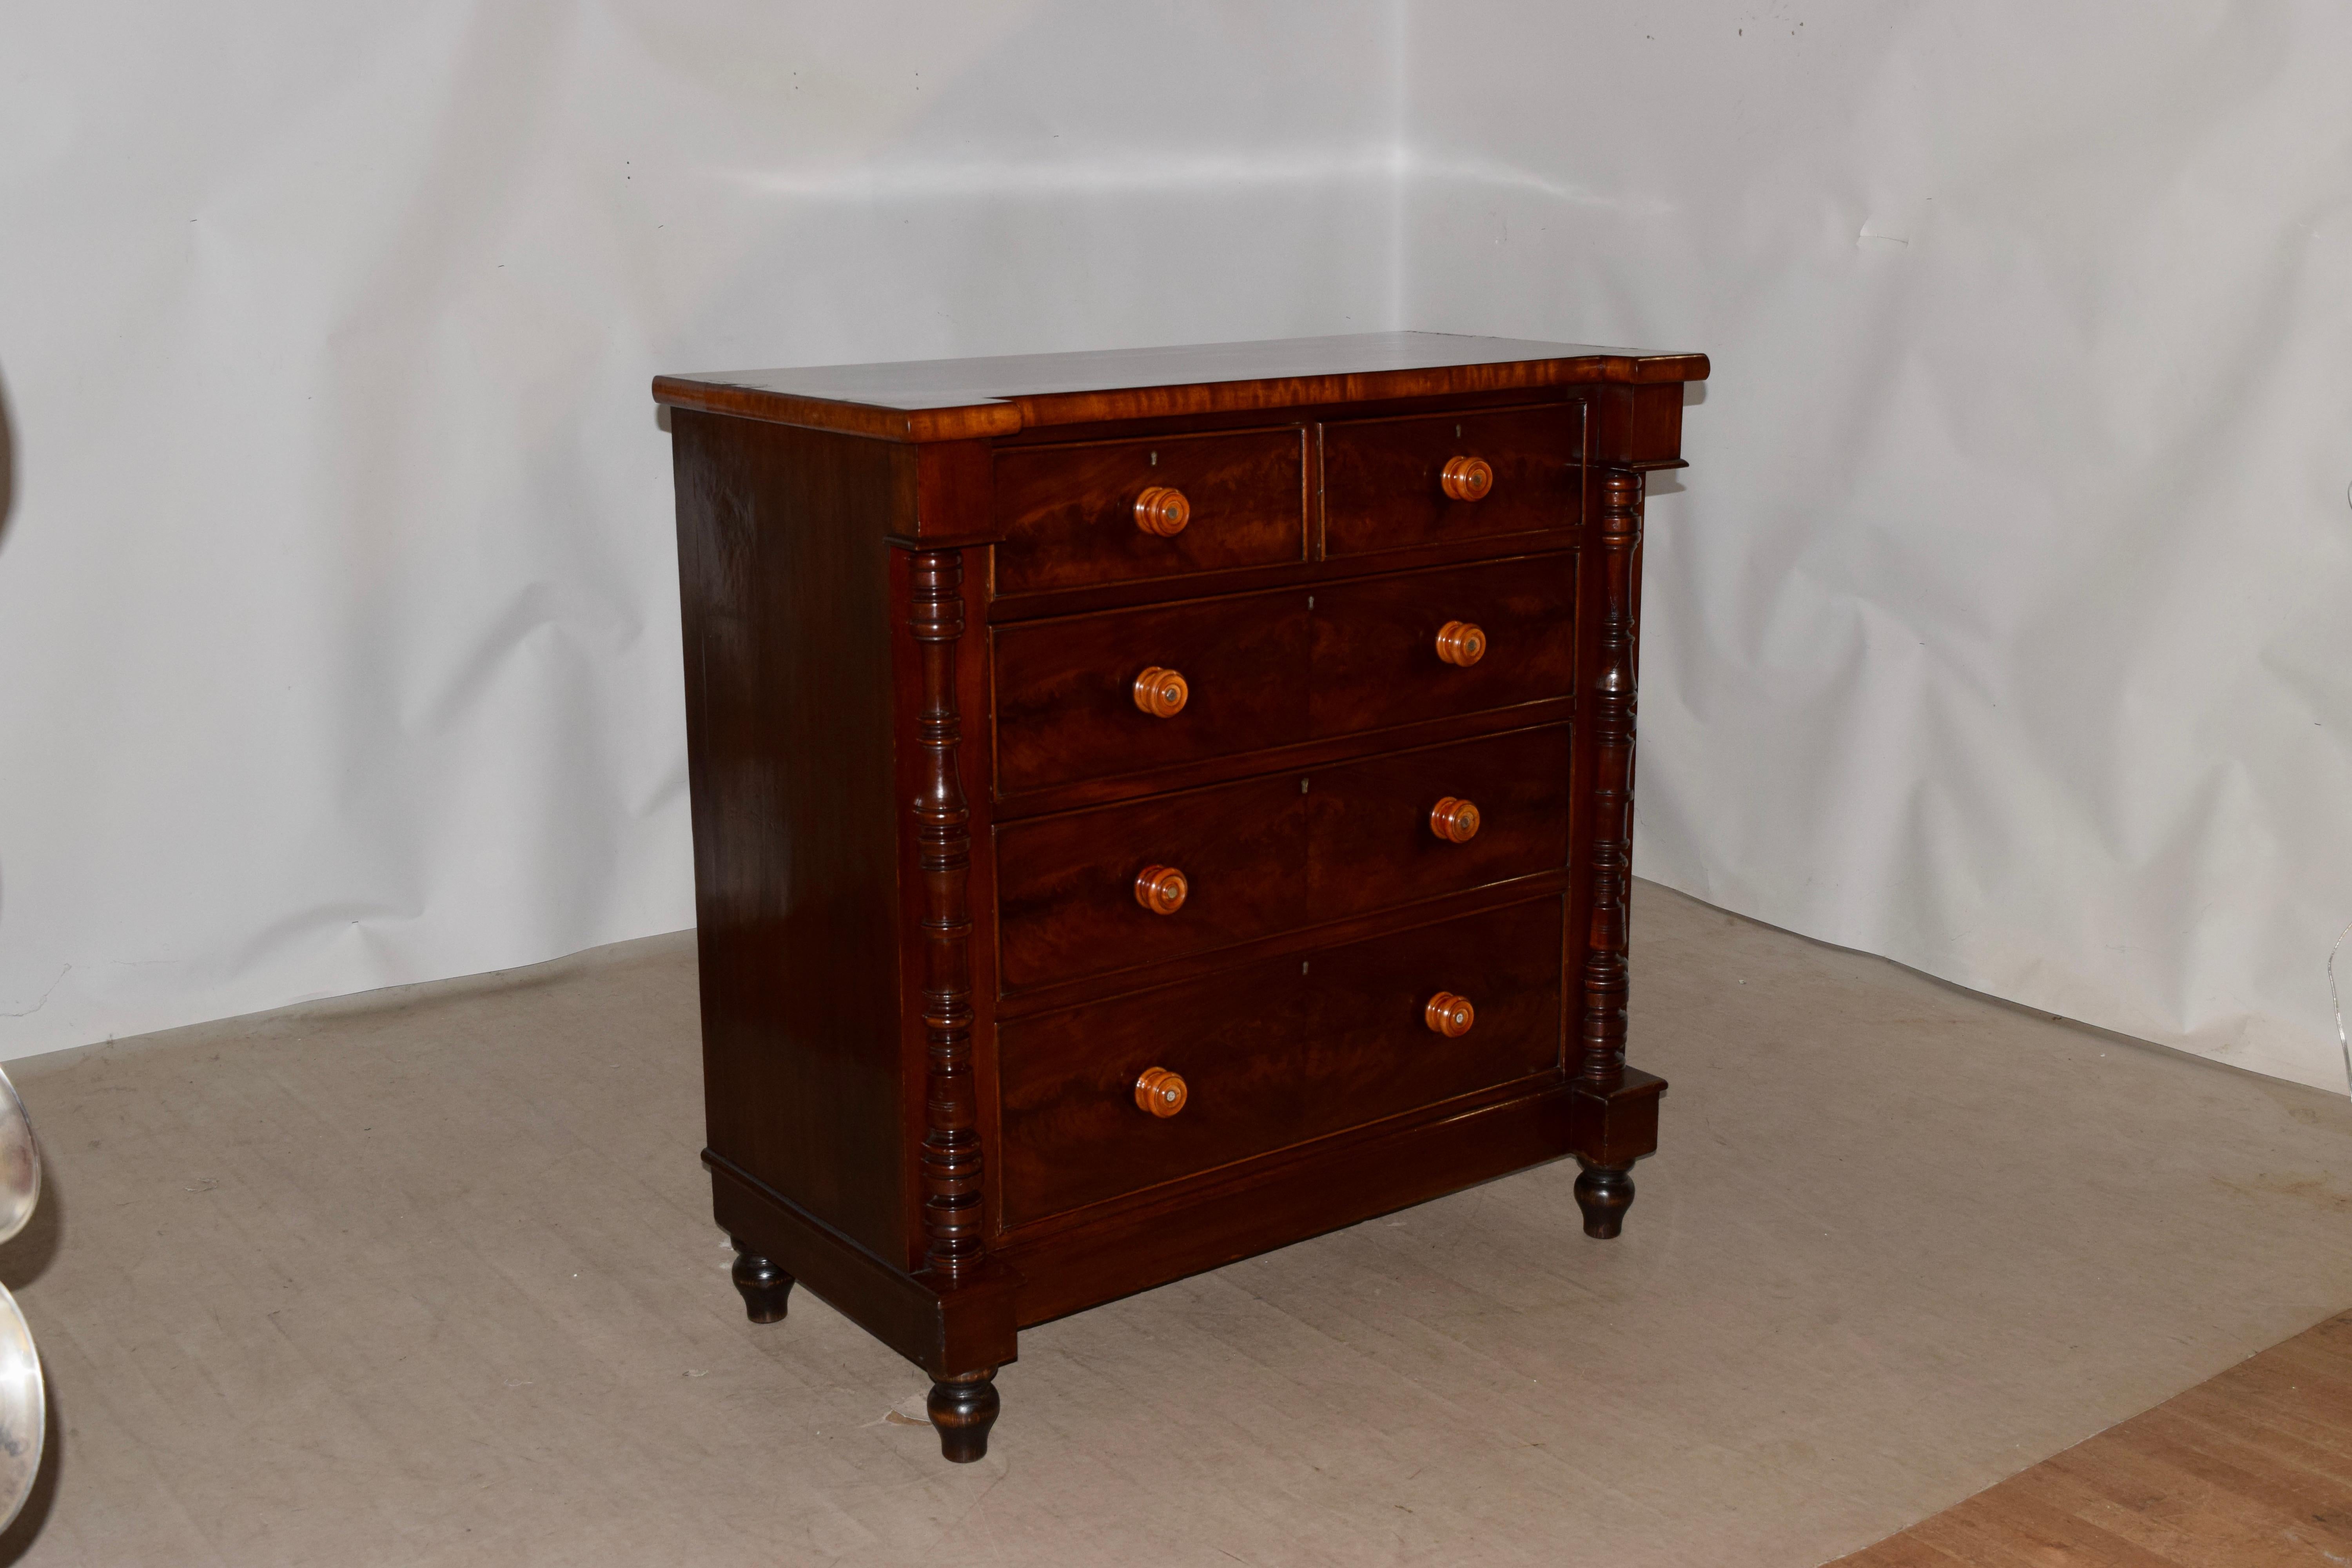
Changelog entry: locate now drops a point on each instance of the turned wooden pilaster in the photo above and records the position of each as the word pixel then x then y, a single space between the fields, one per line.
pixel 1602 1062
pixel 950 1154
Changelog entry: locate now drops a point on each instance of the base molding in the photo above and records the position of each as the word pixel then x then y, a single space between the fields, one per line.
pixel 947 1328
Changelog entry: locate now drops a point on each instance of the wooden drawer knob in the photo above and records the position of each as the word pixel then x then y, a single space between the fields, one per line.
pixel 1461 643
pixel 1449 1015
pixel 1162 509
pixel 1161 692
pixel 1162 889
pixel 1456 821
pixel 1465 478
pixel 1162 1092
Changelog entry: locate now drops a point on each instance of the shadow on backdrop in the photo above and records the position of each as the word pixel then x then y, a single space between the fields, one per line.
pixel 7 463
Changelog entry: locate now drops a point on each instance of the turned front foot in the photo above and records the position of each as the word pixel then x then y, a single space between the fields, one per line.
pixel 763 1285
pixel 1604 1193
pixel 963 1408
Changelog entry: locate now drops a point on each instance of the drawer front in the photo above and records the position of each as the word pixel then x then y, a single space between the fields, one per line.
pixel 1270 670
pixel 1271 1056
pixel 1272 855
pixel 1065 690
pixel 1068 515
pixel 1067 904
pixel 1383 479
pixel 1376 659
pixel 1370 843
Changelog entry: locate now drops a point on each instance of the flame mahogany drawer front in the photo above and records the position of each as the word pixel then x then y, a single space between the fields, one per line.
pixel 1385 481
pixel 1121 510
pixel 1273 1054
pixel 1153 807
pixel 1272 855
pixel 1261 671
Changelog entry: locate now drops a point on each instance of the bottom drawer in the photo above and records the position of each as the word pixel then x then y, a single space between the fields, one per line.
pixel 1271 1054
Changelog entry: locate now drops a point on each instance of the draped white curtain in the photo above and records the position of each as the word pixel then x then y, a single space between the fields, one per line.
pixel 2001 626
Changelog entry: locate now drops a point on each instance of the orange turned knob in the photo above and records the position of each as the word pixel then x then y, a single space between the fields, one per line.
pixel 1449 1015
pixel 1161 692
pixel 1456 821
pixel 1461 643
pixel 1162 889
pixel 1162 509
pixel 1466 478
pixel 1162 1092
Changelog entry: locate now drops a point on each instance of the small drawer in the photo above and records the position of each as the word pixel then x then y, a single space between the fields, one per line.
pixel 1376 837
pixel 1379 660
pixel 1066 698
pixel 1274 1054
pixel 1272 855
pixel 1102 512
pixel 1386 482
pixel 1066 886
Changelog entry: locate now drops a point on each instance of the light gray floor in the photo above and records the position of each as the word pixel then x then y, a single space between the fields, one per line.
pixel 432 1281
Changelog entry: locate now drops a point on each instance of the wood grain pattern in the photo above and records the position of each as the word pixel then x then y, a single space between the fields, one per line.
pixel 1602 1062
pixel 937 400
pixel 1067 515
pixel 1256 887
pixel 1065 704
pixel 951 1164
pixel 1271 855
pixel 1272 1056
pixel 2249 1469
pixel 782 568
pixel 1386 482
pixel 1375 661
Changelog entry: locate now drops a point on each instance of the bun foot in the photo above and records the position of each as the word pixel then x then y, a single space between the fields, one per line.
pixel 763 1285
pixel 963 1408
pixel 1604 1193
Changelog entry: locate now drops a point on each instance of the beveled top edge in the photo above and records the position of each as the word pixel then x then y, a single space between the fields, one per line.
pixel 945 399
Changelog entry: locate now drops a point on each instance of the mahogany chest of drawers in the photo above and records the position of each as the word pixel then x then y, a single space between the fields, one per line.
pixel 1151 807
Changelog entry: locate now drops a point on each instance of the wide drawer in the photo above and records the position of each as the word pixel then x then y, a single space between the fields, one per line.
pixel 1385 481
pixel 1272 1054
pixel 1069 515
pixel 1261 671
pixel 1270 855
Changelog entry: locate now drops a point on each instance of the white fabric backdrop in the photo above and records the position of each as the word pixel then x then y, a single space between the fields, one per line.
pixel 2004 623
pixel 2000 627
pixel 338 611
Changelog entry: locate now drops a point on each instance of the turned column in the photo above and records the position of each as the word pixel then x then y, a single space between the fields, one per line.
pixel 963 1405
pixel 1604 1191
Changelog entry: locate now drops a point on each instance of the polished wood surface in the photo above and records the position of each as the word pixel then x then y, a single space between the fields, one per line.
pixel 1161 693
pixel 1162 889
pixel 1448 1014
pixel 1117 511
pixel 940 400
pixel 1160 1092
pixel 782 569
pixel 1150 809
pixel 1465 478
pixel 1375 658
pixel 2252 1468
pixel 1461 643
pixel 1162 511
pixel 1275 1054
pixel 1388 483
pixel 1454 819
pixel 1274 854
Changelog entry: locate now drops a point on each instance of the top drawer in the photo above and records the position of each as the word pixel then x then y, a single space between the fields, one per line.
pixel 1070 514
pixel 1385 481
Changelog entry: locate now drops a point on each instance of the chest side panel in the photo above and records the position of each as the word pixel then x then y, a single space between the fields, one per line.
pixel 786 584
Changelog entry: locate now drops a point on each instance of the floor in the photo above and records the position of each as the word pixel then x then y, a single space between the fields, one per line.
pixel 2252 1467
pixel 428 1277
